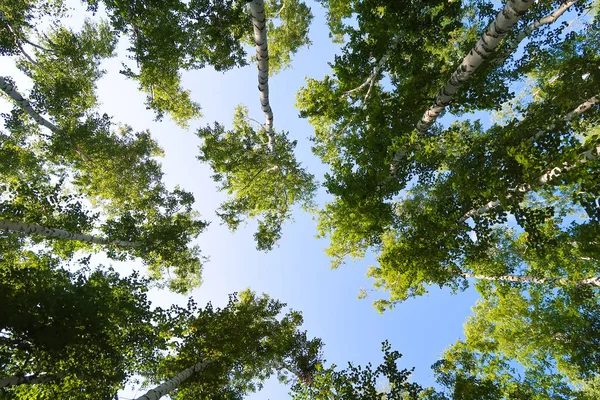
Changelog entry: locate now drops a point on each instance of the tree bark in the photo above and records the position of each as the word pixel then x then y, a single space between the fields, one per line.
pixel 34 229
pixel 550 174
pixel 495 32
pixel 29 380
pixel 174 382
pixel 593 281
pixel 547 20
pixel 259 21
pixel 7 88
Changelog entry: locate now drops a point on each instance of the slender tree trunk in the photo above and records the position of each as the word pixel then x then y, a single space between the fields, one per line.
pixel 495 32
pixel 7 88
pixel 30 380
pixel 547 20
pixel 174 382
pixel 34 229
pixel 550 174
pixel 259 21
pixel 593 281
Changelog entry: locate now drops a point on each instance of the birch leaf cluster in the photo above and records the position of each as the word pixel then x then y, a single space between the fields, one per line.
pixel 263 184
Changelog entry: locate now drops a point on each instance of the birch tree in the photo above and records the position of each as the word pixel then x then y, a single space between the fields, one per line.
pixel 199 33
pixel 246 342
pixel 111 168
pixel 415 222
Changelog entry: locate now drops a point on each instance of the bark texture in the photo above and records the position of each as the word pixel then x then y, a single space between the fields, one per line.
pixel 29 380
pixel 259 21
pixel 593 281
pixel 174 382
pixel 551 173
pixel 34 229
pixel 495 32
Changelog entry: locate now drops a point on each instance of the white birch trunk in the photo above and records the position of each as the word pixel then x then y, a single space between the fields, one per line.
pixel 593 281
pixel 34 229
pixel 7 88
pixel 547 20
pixel 174 382
pixel 259 21
pixel 29 380
pixel 551 174
pixel 495 32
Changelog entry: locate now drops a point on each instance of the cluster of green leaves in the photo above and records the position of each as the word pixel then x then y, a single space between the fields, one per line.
pixel 247 341
pixel 360 383
pixel 92 328
pixel 264 184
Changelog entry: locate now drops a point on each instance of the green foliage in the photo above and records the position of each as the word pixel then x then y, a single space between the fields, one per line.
pixel 262 184
pixel 245 341
pixel 288 22
pixel 66 71
pixel 93 327
pixel 360 383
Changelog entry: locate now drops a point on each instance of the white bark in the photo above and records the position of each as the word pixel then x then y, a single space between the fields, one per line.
pixel 7 88
pixel 593 281
pixel 34 229
pixel 371 79
pixel 259 21
pixel 547 20
pixel 495 32
pixel 174 382
pixel 29 380
pixel 550 174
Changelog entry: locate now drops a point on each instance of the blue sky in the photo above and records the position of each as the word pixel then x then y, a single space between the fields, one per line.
pixel 297 271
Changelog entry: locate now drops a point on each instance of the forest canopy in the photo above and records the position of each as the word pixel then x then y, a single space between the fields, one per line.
pixel 455 149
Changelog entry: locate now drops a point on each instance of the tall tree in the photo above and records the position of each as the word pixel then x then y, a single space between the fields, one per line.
pixel 246 342
pixel 420 234
pixel 169 37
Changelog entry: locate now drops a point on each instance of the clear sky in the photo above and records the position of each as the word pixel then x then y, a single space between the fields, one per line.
pixel 297 272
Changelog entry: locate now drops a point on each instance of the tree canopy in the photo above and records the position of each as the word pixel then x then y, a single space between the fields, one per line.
pixel 461 140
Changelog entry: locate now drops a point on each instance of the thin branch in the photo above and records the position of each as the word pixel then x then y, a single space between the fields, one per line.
pixel 376 70
pixel 549 174
pixel 547 20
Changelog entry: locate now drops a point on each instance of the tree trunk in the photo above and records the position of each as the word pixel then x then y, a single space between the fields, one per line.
pixel 29 380
pixel 7 88
pixel 259 21
pixel 494 33
pixel 34 229
pixel 593 281
pixel 547 20
pixel 174 382
pixel 550 174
